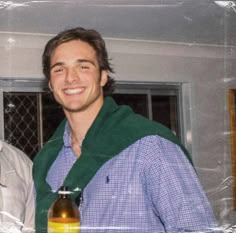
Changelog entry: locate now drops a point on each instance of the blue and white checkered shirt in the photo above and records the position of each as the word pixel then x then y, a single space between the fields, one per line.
pixel 150 187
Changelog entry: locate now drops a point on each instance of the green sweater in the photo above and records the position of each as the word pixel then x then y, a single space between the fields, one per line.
pixel 114 129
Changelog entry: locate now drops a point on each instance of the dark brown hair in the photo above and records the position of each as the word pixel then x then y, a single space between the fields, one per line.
pixel 90 36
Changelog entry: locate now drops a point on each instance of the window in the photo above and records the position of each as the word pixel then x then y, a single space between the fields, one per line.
pixel 31 114
pixel 158 102
pixel 30 119
pixel 21 120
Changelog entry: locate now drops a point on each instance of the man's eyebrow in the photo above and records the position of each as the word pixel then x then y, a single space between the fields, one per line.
pixel 86 61
pixel 78 61
pixel 56 64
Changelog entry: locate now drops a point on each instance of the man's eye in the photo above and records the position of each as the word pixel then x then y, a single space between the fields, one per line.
pixel 58 70
pixel 84 67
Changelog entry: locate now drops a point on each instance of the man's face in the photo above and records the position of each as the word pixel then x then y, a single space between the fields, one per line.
pixel 75 78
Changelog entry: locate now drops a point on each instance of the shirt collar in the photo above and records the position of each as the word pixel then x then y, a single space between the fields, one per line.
pixel 67 136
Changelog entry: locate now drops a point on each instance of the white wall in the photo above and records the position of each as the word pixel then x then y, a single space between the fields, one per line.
pixel 208 71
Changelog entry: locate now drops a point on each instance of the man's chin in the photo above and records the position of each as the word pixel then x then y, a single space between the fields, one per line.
pixel 74 108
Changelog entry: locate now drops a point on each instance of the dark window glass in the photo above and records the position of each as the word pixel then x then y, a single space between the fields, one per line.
pixel 21 121
pixel 164 108
pixel 164 111
pixel 138 102
pixel 52 115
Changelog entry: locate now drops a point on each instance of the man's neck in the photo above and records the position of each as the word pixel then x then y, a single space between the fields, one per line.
pixel 81 121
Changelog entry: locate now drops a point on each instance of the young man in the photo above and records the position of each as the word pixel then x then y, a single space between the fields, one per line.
pixel 134 175
pixel 17 204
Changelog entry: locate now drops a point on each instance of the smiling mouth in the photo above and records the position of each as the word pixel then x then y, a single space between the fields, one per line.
pixel 71 91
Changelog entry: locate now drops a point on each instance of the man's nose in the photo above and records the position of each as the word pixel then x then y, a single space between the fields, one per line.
pixel 72 75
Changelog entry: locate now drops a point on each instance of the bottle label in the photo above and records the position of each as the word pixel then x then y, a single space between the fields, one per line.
pixel 55 227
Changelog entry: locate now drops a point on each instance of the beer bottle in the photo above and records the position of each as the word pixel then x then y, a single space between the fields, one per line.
pixel 63 215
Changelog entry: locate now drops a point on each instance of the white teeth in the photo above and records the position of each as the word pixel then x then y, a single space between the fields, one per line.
pixel 73 91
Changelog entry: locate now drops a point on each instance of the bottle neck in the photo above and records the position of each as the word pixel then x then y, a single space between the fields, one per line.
pixel 63 196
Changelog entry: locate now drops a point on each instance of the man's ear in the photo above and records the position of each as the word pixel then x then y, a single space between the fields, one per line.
pixel 50 86
pixel 104 78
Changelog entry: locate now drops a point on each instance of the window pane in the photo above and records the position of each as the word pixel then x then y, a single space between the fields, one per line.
pixel 52 115
pixel 138 102
pixel 164 110
pixel 21 121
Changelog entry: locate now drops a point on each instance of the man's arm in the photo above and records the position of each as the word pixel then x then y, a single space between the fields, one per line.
pixel 175 191
pixel 30 209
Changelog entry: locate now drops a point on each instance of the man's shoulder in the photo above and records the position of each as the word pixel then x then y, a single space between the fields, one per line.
pixel 144 126
pixel 14 156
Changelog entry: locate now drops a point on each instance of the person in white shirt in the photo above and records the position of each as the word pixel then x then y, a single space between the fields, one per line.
pixel 17 204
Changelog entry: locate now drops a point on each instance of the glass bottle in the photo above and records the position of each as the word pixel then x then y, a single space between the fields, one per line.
pixel 63 215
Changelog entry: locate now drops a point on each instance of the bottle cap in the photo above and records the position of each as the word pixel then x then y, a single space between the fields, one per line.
pixel 64 190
